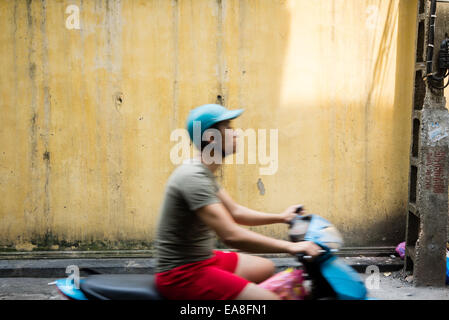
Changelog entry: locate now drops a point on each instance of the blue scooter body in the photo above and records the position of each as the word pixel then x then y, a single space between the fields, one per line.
pixel 343 279
pixel 68 288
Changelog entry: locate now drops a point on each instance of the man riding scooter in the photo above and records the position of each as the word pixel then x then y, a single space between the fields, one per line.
pixel 195 207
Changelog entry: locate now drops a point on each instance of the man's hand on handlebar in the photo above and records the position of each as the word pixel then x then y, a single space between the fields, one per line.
pixel 291 212
pixel 309 248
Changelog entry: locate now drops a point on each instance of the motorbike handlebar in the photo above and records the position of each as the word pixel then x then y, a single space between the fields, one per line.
pixel 302 256
pixel 298 233
pixel 299 209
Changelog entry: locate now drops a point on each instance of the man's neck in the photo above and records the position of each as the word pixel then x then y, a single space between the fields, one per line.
pixel 212 167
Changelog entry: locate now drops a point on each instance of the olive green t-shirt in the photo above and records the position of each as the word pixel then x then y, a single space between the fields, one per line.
pixel 182 237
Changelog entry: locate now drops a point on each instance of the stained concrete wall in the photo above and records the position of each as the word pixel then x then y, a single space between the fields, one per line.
pixel 86 115
pixel 441 28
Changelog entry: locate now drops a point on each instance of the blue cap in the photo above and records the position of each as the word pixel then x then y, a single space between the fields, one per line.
pixel 208 115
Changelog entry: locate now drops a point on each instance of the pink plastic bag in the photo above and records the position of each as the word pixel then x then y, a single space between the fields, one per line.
pixel 288 284
pixel 400 249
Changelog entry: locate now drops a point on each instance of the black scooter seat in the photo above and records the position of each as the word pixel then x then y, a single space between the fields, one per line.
pixel 120 287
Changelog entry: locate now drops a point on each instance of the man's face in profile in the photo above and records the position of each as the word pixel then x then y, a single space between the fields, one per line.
pixel 229 137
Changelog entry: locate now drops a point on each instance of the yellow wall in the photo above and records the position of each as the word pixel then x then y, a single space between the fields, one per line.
pixel 332 76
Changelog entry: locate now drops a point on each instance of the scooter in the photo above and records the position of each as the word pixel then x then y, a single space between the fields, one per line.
pixel 329 276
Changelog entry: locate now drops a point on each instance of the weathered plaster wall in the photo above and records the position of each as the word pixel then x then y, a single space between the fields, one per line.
pixel 86 115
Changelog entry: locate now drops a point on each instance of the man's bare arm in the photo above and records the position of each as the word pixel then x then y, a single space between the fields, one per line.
pixel 217 217
pixel 248 217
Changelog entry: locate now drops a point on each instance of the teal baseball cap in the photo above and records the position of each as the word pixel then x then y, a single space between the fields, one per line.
pixel 207 115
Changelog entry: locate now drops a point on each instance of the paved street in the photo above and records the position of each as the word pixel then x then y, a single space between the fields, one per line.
pixel 392 287
pixel 28 289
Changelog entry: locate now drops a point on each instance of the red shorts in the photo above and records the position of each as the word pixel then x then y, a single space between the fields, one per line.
pixel 210 279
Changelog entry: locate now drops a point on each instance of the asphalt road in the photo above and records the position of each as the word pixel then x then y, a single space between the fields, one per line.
pixel 394 287
pixel 391 287
pixel 28 289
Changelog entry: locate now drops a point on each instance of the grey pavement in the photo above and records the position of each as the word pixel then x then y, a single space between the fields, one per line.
pixel 395 287
pixel 48 268
pixel 28 289
pixel 391 287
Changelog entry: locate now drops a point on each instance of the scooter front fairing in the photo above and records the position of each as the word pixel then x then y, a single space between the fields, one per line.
pixel 342 279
